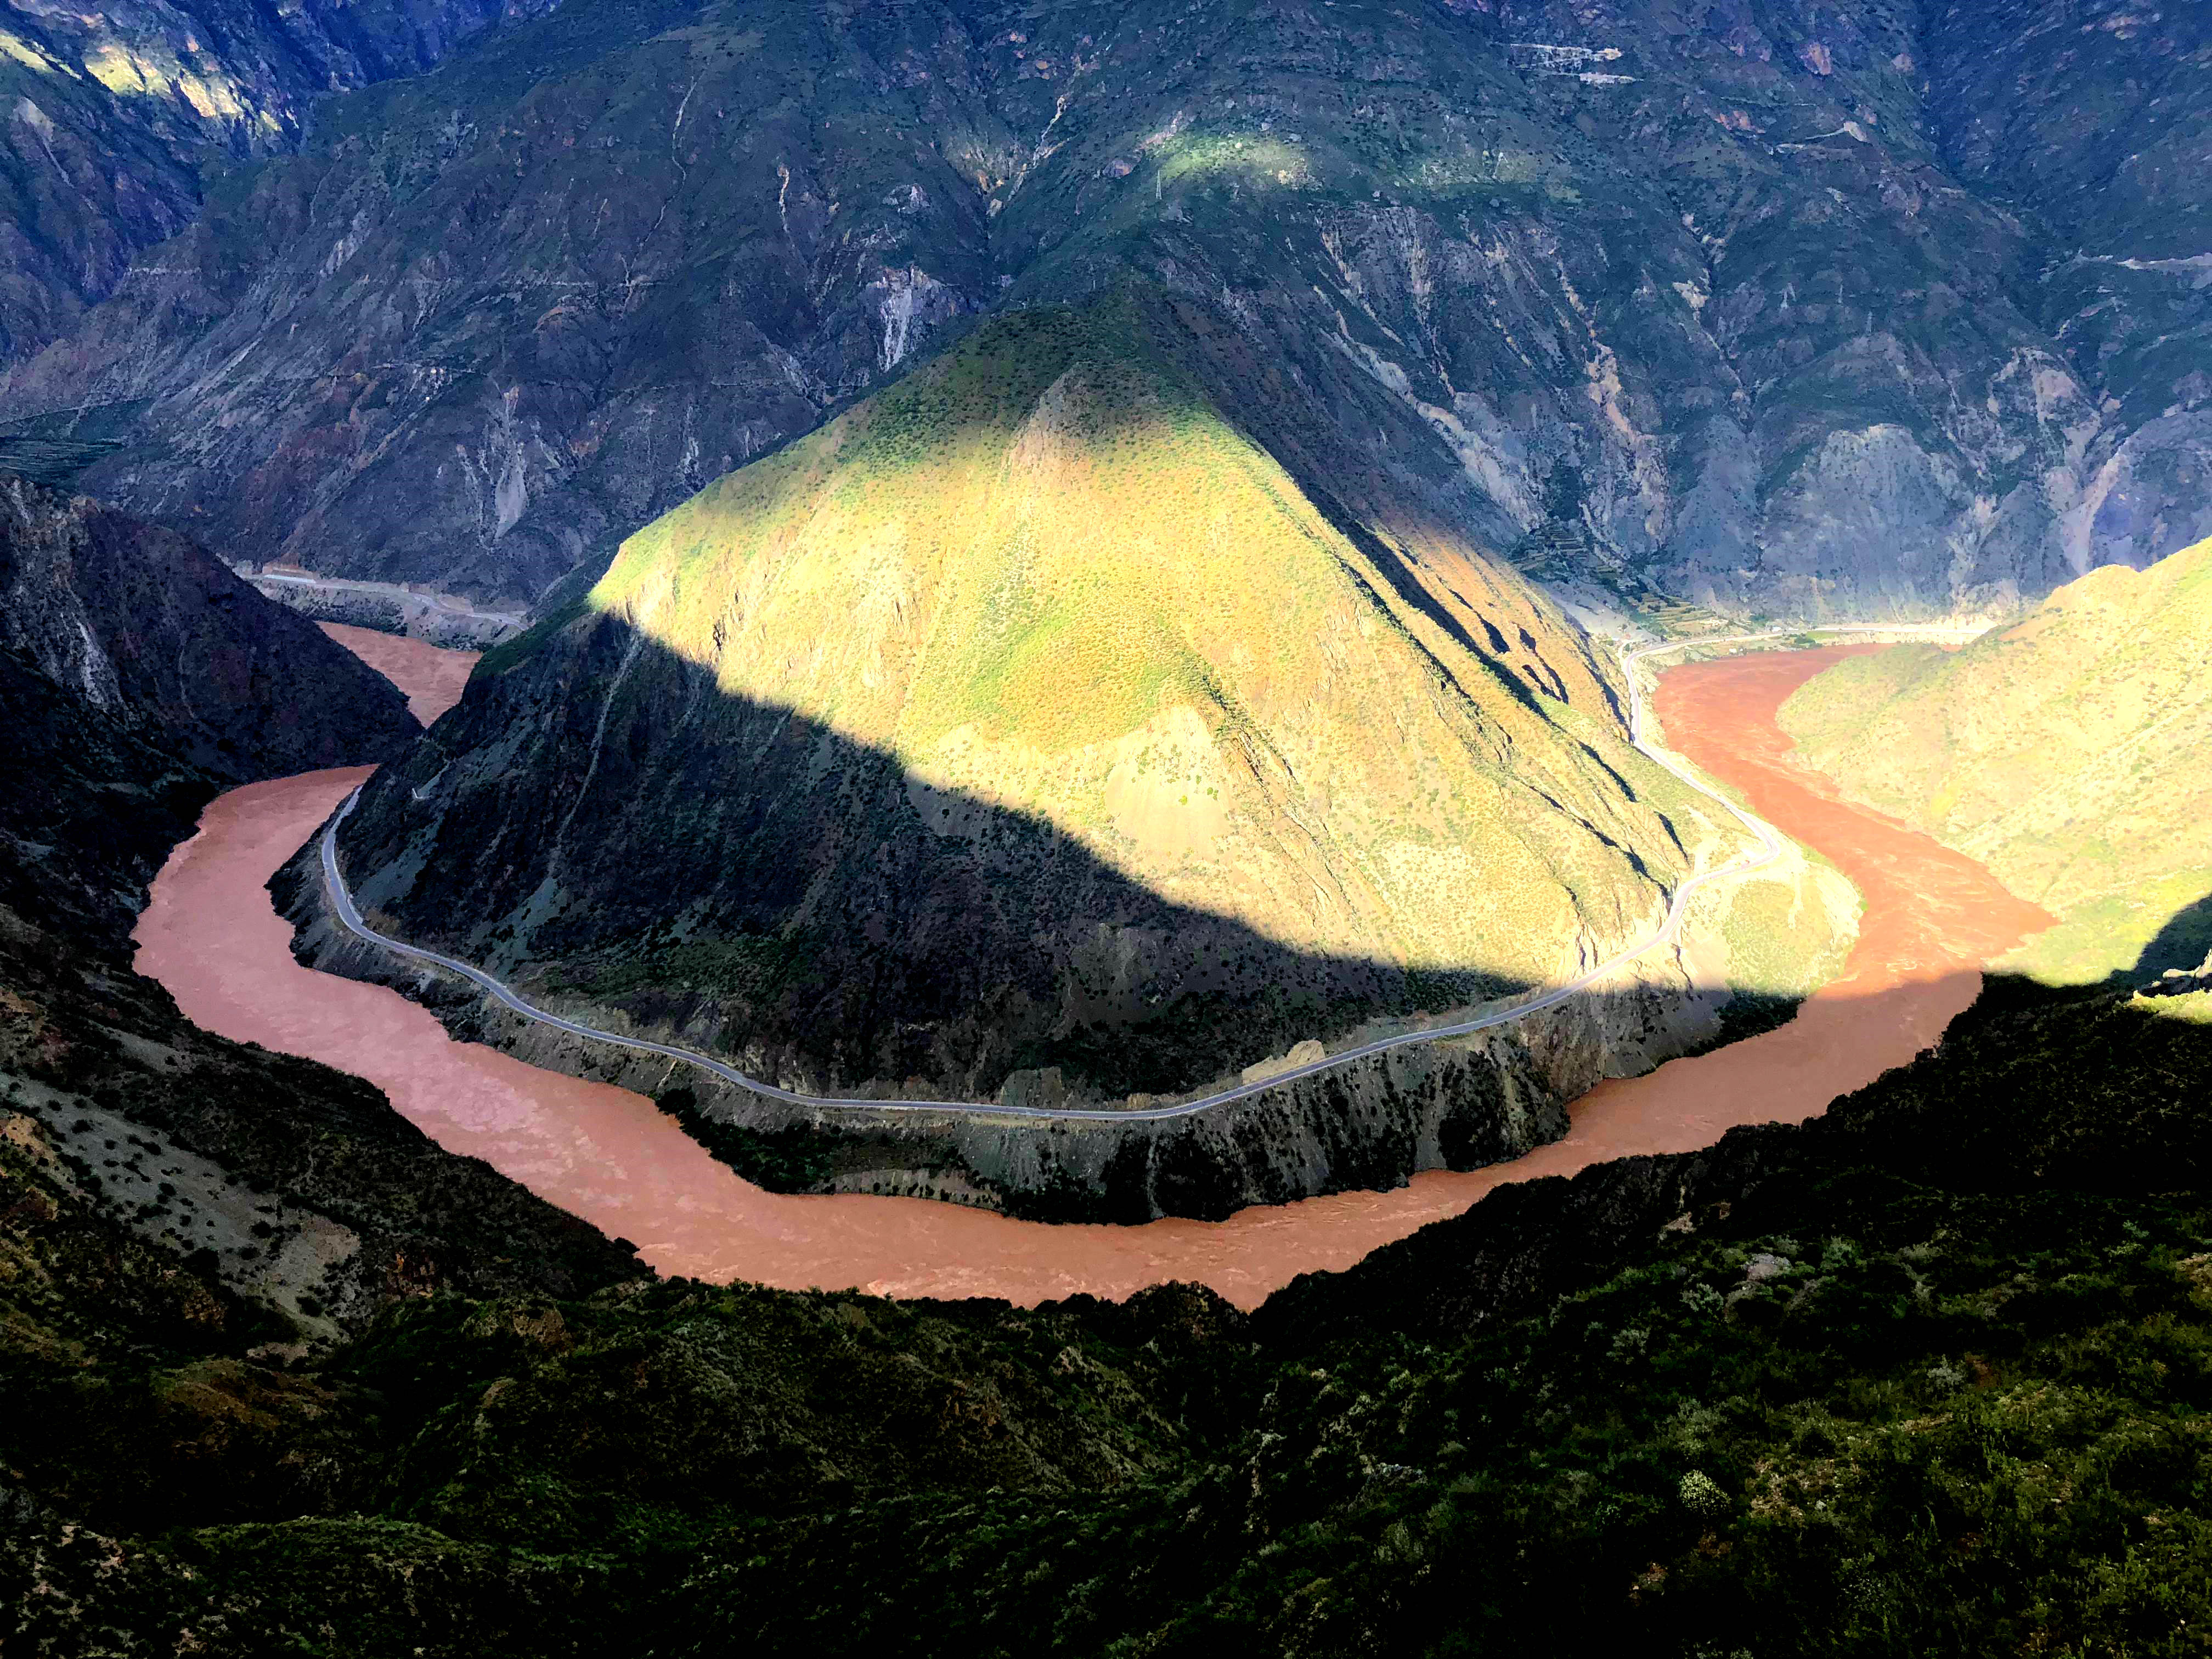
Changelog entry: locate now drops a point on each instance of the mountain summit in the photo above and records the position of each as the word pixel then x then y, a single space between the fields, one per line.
pixel 1030 713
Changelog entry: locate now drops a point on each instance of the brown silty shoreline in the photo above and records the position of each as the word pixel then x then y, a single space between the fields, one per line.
pixel 211 936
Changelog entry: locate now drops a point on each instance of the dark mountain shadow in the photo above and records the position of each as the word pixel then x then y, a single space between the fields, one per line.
pixel 159 633
pixel 597 816
pixel 99 1064
pixel 54 462
pixel 2185 942
pixel 2036 1091
pixel 89 809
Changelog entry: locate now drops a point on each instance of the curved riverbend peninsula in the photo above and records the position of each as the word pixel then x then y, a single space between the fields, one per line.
pixel 1769 847
pixel 210 935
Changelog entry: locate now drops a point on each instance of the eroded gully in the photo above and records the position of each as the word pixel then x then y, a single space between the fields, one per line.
pixel 211 936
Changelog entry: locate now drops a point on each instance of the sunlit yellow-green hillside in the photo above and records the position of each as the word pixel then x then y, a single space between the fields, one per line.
pixel 2070 753
pixel 1047 575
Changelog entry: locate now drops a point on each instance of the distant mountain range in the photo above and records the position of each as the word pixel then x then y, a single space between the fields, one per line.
pixel 1788 307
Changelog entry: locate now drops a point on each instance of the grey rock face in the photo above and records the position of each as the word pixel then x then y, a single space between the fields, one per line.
pixel 105 113
pixel 1458 1104
pixel 153 632
pixel 1805 308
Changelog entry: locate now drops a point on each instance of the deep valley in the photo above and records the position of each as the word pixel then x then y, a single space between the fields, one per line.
pixel 1289 828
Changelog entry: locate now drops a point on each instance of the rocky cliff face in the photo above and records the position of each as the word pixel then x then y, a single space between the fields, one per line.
pixel 1793 307
pixel 2083 119
pixel 246 1196
pixel 153 631
pixel 107 115
pixel 1455 1104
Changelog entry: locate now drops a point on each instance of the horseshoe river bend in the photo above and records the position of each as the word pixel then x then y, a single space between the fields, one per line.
pixel 211 936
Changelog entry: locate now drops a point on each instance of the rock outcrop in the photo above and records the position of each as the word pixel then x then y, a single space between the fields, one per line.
pixel 2182 982
pixel 1763 310
pixel 151 630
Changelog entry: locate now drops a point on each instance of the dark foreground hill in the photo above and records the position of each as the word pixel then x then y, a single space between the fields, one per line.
pixel 1930 1374
pixel 199 1186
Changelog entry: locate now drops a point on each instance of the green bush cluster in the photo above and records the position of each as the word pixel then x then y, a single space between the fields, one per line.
pixel 1932 1375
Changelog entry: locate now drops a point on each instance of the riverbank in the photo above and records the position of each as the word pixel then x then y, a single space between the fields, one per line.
pixel 608 1155
pixel 436 619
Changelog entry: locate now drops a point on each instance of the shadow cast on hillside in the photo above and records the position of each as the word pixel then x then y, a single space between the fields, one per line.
pixel 598 816
pixel 747 880
pixel 2035 1091
pixel 2185 941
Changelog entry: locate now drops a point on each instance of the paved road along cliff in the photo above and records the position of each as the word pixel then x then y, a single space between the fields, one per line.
pixel 1767 848
pixel 210 936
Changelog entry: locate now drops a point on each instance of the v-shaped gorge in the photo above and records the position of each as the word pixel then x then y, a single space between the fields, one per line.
pixel 1028 715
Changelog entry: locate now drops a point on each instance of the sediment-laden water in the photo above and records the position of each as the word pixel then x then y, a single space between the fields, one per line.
pixel 211 936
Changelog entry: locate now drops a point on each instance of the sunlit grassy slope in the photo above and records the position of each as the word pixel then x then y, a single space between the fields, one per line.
pixel 2072 753
pixel 1047 575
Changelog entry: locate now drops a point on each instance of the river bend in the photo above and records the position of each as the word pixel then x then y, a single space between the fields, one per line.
pixel 211 936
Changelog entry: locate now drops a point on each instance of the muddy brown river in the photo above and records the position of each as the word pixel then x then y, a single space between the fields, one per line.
pixel 212 937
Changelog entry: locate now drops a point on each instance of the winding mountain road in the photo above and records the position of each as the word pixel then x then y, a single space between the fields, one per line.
pixel 1770 848
pixel 396 592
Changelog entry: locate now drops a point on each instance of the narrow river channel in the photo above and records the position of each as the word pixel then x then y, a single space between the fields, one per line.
pixel 211 936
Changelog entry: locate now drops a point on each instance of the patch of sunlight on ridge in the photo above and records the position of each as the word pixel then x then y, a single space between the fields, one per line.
pixel 31 57
pixel 1192 157
pixel 211 93
pixel 2195 1006
pixel 2064 750
pixel 1478 170
pixel 1047 577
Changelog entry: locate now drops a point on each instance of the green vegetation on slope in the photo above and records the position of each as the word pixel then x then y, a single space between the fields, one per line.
pixel 1769 1444
pixel 2067 752
pixel 1046 573
pixel 1929 1375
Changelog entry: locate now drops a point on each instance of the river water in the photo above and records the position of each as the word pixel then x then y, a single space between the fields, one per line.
pixel 212 937
pixel 432 679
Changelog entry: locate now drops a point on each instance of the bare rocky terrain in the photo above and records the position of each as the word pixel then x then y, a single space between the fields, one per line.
pixel 112 114
pixel 1792 308
pixel 139 677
